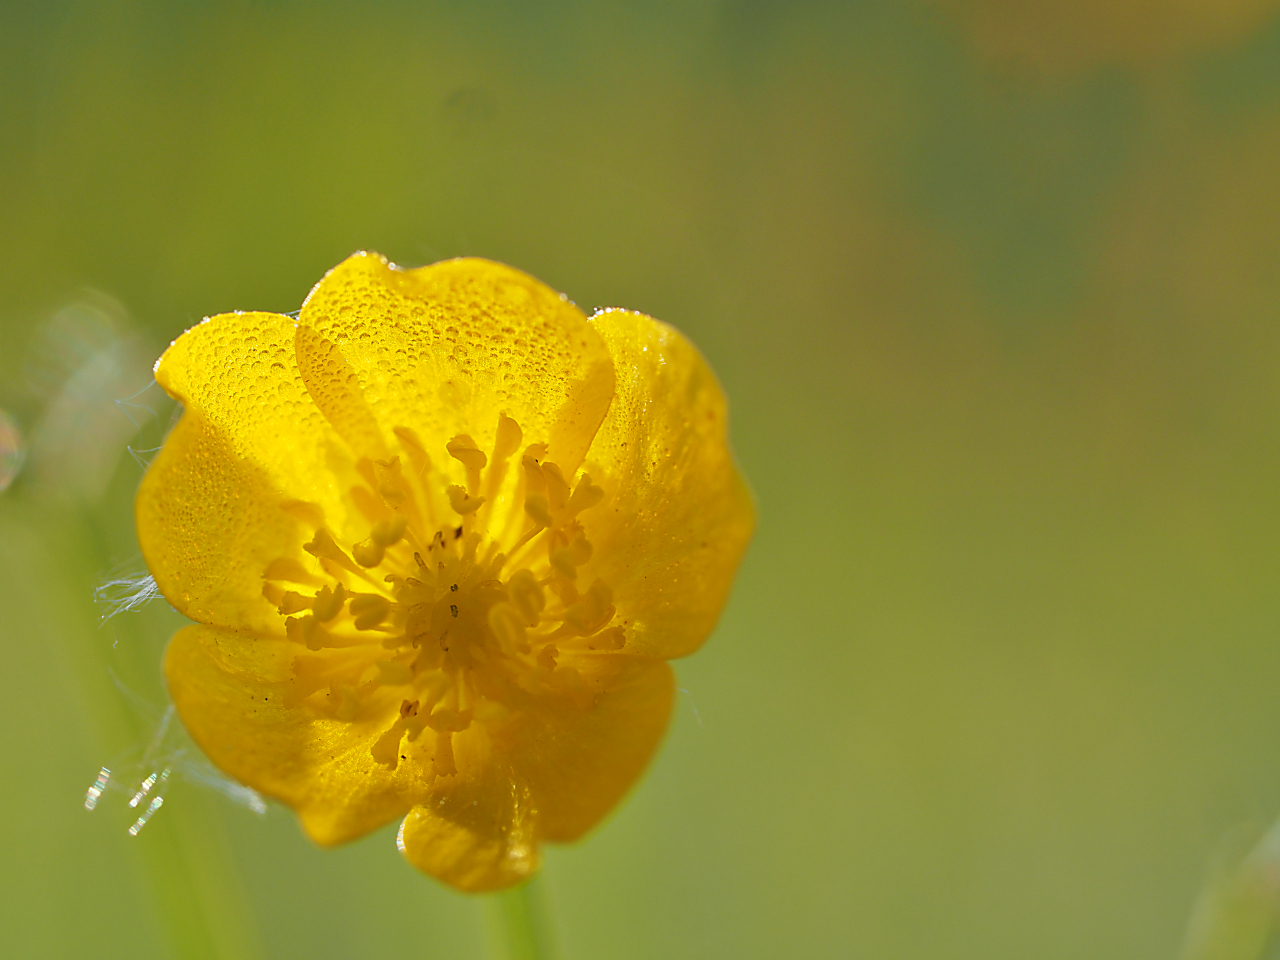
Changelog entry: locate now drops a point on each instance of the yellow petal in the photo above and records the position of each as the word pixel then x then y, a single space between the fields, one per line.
pixel 444 350
pixel 478 837
pixel 335 388
pixel 669 539
pixel 231 692
pixel 562 768
pixel 582 763
pixel 240 475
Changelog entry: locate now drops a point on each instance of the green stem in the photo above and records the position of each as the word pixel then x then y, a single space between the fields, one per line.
pixel 520 924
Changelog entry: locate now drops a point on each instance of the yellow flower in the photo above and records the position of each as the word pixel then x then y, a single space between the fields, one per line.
pixel 439 537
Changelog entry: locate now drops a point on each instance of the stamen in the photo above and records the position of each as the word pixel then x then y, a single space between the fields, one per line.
pixel 312 514
pixel 443 763
pixel 416 452
pixel 441 626
pixel 328 603
pixel 369 504
pixel 294 603
pixel 323 547
pixel 527 595
pixel 463 449
pixel 368 553
pixel 557 487
pixel 307 631
pixel 345 700
pixel 508 438
pixel 289 570
pixel 462 502
pixel 585 495
pixel 562 563
pixel 593 611
pixel 388 532
pixel 505 443
pixel 536 504
pixel 369 610
pixel 386 749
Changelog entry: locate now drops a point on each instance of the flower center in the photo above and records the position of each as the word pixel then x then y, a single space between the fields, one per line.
pixel 461 607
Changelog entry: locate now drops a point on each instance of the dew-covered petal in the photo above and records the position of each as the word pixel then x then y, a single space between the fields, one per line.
pixel 582 762
pixel 479 836
pixel 209 510
pixel 443 350
pixel 553 774
pixel 669 537
pixel 233 695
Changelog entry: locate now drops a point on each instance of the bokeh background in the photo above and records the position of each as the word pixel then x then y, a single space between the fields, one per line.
pixel 993 288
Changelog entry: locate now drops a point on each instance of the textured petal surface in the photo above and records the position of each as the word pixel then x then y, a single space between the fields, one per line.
pixel 581 764
pixel 208 510
pixel 444 349
pixel 555 776
pixel 478 837
pixel 679 516
pixel 232 693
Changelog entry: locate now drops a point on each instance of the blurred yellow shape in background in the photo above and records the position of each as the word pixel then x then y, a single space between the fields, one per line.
pixel 1063 37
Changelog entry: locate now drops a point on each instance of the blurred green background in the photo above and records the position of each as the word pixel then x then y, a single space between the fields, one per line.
pixel 993 288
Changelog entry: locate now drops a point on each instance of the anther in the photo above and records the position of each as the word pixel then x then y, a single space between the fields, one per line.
pixel 328 603
pixel 557 487
pixel 585 495
pixel 527 595
pixel 534 480
pixel 417 453
pixel 463 449
pixel 454 588
pixel 581 549
pixel 368 553
pixel 453 608
pixel 312 514
pixel 348 704
pixel 290 570
pixel 508 437
pixel 539 511
pixel 293 603
pixel 323 547
pixel 388 532
pixel 306 630
pixel 593 611
pixel 462 502
pixel 391 485
pixel 562 563
pixel 506 442
pixel 369 610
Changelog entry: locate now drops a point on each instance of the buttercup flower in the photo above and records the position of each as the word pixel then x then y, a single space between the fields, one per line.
pixel 439 537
